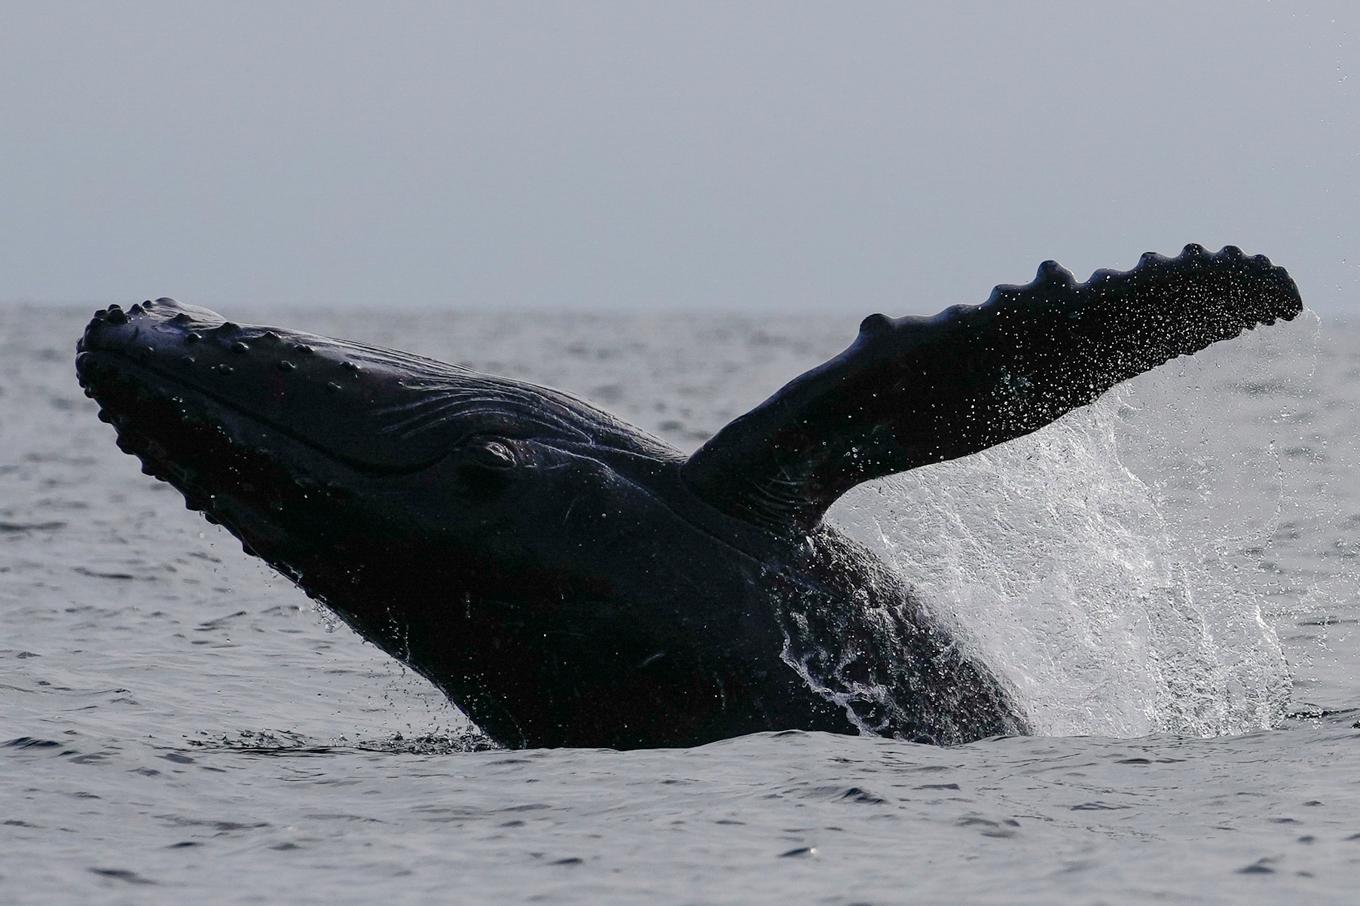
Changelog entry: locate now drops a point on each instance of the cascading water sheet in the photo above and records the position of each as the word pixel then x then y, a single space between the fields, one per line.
pixel 1109 566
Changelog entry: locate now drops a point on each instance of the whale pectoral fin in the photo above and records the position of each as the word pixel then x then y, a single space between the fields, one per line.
pixel 913 391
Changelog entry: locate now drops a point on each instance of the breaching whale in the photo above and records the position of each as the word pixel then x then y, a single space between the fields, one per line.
pixel 565 578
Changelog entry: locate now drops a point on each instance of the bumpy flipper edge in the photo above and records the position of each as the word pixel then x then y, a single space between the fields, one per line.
pixel 918 390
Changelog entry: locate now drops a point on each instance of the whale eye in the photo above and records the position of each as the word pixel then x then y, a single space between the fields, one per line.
pixel 489 454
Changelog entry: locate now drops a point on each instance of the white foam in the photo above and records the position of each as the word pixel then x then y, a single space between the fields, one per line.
pixel 1109 565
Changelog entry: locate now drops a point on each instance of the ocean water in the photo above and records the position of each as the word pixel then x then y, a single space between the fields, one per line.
pixel 1169 578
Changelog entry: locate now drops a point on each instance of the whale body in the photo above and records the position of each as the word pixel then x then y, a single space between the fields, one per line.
pixel 567 579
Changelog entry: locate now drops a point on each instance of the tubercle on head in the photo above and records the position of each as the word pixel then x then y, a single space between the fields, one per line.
pixel 199 327
pixel 875 324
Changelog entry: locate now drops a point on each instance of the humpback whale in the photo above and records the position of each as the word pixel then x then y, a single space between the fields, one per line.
pixel 567 579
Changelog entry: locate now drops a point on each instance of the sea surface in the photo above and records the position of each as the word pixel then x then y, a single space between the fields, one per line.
pixel 1168 578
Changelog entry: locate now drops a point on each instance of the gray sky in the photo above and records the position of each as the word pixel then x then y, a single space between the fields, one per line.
pixel 761 157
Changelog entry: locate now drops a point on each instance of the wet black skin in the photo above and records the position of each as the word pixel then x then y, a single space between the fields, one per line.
pixel 560 591
pixel 563 577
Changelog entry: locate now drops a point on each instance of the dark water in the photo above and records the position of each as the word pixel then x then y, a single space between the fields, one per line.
pixel 1166 577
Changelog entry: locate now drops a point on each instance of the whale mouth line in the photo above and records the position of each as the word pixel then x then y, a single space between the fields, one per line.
pixel 126 362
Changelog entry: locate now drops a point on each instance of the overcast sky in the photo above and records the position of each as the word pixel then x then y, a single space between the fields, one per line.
pixel 750 156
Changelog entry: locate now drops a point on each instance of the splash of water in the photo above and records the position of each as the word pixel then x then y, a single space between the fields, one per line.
pixel 1108 566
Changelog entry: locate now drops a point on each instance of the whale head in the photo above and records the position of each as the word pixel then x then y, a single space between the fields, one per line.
pixel 247 421
pixel 449 516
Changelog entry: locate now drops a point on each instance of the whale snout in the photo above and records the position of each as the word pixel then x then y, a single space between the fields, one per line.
pixel 259 385
pixel 186 340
